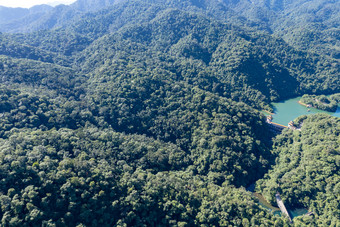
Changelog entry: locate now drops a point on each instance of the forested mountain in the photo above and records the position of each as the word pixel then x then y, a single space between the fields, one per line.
pixel 280 71
pixel 8 15
pixel 306 25
pixel 20 19
pixel 47 17
pixel 144 113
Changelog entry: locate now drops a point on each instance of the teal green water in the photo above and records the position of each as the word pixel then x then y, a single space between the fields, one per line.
pixel 293 213
pixel 337 113
pixel 290 109
pixel 297 212
pixel 276 211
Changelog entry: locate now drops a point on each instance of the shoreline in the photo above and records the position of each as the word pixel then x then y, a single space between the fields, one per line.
pixel 311 106
pixel 264 202
pixel 304 104
pixel 268 112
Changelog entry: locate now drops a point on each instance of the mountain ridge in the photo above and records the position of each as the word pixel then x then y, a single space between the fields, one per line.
pixel 149 113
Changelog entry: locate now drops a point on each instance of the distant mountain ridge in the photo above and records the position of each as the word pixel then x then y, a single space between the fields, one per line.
pixel 8 14
pixel 264 63
pixel 306 25
pixel 40 17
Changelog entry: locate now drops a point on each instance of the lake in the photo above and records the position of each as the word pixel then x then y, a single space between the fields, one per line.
pixel 290 109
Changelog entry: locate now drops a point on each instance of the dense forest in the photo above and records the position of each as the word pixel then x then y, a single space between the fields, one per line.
pixel 307 169
pixel 322 102
pixel 145 113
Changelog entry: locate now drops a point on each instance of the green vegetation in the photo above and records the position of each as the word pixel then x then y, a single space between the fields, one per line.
pixel 322 102
pixel 311 26
pixel 146 113
pixel 58 168
pixel 306 170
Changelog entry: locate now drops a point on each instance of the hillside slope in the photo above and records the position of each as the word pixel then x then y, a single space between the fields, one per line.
pixel 144 113
pixel 307 25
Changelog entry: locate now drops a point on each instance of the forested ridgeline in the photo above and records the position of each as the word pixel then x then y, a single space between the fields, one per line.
pixel 45 17
pixel 195 47
pixel 306 25
pixel 257 68
pixel 146 113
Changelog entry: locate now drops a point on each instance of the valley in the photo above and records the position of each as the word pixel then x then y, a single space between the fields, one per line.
pixel 149 113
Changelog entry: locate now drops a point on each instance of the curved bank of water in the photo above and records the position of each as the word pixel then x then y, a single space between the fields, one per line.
pixel 288 110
